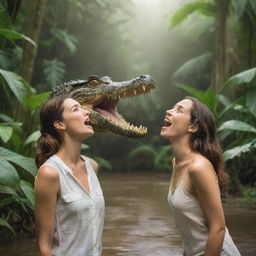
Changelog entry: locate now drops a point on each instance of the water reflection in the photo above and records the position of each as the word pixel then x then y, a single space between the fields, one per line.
pixel 139 222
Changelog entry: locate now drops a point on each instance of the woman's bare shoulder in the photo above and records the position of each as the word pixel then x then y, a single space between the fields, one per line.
pixel 201 168
pixel 47 173
pixel 94 164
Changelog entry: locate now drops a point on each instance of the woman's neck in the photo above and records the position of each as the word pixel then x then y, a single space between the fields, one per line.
pixel 70 150
pixel 181 150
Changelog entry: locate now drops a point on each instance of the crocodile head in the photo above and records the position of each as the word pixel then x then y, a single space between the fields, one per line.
pixel 101 95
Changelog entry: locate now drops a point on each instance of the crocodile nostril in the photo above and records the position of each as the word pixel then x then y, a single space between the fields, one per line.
pixel 142 76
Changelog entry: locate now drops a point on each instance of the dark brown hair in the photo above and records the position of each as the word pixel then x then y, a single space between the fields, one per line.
pixel 49 141
pixel 204 140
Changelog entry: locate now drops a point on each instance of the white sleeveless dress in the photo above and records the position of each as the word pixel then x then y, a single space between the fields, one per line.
pixel 189 219
pixel 79 215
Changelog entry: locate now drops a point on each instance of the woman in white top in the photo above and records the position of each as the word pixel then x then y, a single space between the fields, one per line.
pixel 197 178
pixel 69 201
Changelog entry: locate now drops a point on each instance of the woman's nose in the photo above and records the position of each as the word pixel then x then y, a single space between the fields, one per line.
pixel 85 112
pixel 168 112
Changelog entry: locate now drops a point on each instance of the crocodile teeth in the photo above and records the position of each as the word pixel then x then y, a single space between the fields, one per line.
pixel 144 88
pixel 134 91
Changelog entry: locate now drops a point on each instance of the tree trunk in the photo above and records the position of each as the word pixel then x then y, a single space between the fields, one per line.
pixel 37 9
pixel 220 69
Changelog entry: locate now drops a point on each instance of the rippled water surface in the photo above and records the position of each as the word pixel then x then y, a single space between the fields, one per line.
pixel 139 222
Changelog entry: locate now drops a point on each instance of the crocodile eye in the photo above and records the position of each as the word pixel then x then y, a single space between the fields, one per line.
pixel 94 83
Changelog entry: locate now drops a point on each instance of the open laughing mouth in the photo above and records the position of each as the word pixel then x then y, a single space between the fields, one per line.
pixel 167 123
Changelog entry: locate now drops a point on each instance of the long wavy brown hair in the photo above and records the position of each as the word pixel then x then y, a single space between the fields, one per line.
pixel 49 141
pixel 204 140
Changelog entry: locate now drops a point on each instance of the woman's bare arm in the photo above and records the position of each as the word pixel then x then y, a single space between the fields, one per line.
pixel 204 183
pixel 46 193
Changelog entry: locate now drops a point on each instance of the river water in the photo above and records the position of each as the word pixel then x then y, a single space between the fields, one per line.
pixel 139 222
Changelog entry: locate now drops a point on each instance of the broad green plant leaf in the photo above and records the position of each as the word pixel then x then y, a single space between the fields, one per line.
pixel 25 162
pixel 207 97
pixel 33 137
pixel 193 66
pixel 28 191
pixel 103 163
pixel 7 190
pixel 36 100
pixel 238 150
pixel 85 146
pixel 205 8
pixel 8 174
pixel 4 223
pixel 64 37
pixel 5 133
pixel 250 100
pixel 240 7
pixel 244 77
pixel 16 84
pixel 54 71
pixel 237 125
pixel 253 5
pixel 195 92
pixel 10 34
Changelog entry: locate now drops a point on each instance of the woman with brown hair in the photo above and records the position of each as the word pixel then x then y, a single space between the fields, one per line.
pixel 69 207
pixel 197 178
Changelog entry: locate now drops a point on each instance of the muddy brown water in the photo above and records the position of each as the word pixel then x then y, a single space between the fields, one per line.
pixel 139 222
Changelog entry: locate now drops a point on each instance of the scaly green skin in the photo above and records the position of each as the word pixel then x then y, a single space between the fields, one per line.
pixel 101 95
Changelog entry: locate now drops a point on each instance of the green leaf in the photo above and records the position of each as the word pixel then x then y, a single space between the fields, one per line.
pixel 36 100
pixel 4 223
pixel 195 92
pixel 85 146
pixel 205 8
pixel 209 99
pixel 64 37
pixel 237 125
pixel 54 71
pixel 5 133
pixel 163 156
pixel 193 66
pixel 240 7
pixel 8 174
pixel 253 5
pixel 237 151
pixel 141 150
pixel 103 163
pixel 7 190
pixel 25 162
pixel 244 77
pixel 15 35
pixel 250 100
pixel 33 137
pixel 16 85
pixel 28 191
pixel 7 201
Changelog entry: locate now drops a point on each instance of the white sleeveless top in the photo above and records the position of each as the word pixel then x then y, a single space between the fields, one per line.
pixel 189 219
pixel 79 215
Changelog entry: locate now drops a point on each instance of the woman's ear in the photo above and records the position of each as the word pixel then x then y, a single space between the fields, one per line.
pixel 192 128
pixel 59 125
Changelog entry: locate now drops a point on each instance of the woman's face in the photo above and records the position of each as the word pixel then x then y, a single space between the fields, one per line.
pixel 177 120
pixel 75 120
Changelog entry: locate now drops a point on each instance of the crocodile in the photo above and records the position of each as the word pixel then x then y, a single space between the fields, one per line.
pixel 100 95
